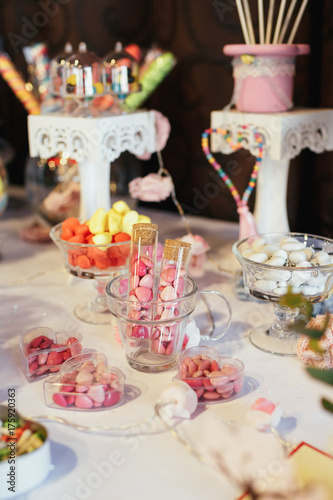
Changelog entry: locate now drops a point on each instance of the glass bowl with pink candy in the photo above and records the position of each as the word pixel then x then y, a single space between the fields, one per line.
pixel 43 351
pixel 274 263
pixel 214 378
pixel 85 382
pixel 151 345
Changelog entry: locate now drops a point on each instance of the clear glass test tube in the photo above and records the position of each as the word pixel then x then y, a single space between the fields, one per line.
pixel 171 287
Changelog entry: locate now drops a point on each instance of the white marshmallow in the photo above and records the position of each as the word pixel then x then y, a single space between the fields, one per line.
pixel 304 263
pixel 317 281
pixel 258 243
pixel 283 290
pixel 309 290
pixel 280 253
pixel 297 280
pixel 270 249
pixel 246 253
pixel 276 261
pixel 308 252
pixel 321 258
pixel 293 246
pixel 296 257
pixel 277 275
pixel 265 285
pixel 288 239
pixel 259 257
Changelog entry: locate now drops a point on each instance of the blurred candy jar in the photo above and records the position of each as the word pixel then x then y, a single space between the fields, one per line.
pixel 53 187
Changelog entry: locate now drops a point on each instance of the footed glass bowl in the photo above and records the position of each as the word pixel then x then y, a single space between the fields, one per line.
pixel 98 262
pixel 273 262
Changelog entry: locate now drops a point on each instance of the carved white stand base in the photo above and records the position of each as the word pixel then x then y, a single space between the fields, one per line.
pixel 285 135
pixel 94 143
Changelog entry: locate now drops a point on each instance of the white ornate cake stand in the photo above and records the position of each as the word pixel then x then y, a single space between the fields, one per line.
pixel 94 143
pixel 285 135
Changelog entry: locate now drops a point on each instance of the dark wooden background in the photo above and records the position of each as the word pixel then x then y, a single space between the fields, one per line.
pixel 195 31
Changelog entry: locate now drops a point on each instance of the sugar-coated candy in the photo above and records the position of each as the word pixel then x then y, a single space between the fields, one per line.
pixel 293 255
pixel 91 386
pixel 43 355
pixel 259 257
pixel 211 381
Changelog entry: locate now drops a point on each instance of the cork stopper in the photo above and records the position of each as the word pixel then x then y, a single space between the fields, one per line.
pixel 146 233
pixel 175 249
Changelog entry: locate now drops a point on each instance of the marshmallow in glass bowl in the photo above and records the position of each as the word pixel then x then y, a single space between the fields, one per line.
pixel 276 261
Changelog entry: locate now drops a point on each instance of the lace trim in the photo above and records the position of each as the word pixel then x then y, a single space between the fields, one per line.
pixel 264 66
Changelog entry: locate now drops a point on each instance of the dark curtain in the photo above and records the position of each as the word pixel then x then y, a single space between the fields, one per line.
pixel 195 31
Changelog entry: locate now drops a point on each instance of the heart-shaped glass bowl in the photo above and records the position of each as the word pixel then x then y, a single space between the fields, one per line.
pixel 85 382
pixel 43 351
pixel 214 378
pixel 31 464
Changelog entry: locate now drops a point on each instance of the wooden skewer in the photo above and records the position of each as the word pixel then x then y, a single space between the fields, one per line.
pixel 297 21
pixel 243 22
pixel 279 21
pixel 269 21
pixel 249 21
pixel 261 21
pixel 287 20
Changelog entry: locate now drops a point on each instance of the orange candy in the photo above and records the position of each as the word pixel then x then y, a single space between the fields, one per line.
pixel 70 223
pixel 82 229
pixel 83 261
pixel 119 237
pixel 78 238
pixel 66 234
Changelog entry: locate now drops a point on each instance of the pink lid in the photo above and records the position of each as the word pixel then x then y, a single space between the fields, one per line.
pixel 269 49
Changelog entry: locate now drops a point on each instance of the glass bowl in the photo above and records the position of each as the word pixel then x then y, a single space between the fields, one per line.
pixel 43 351
pixel 214 378
pixel 85 382
pixel 273 262
pixel 98 262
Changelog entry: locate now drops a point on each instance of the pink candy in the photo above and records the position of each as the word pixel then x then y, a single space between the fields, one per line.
pixel 89 387
pixel 209 380
pixel 141 284
pixel 171 287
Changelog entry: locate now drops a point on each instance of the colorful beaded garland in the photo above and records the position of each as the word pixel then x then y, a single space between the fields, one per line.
pixel 254 175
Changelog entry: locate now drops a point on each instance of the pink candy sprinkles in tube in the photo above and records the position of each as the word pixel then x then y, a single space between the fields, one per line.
pixel 171 287
pixel 141 277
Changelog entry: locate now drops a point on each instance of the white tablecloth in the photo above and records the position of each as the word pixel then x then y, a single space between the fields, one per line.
pixel 36 290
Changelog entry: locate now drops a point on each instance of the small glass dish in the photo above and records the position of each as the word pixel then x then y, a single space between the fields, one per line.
pixel 214 378
pixel 85 382
pixel 43 351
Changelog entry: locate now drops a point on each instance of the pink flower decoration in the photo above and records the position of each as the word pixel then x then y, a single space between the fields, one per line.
pixel 163 128
pixel 152 187
pixel 264 414
pixel 199 248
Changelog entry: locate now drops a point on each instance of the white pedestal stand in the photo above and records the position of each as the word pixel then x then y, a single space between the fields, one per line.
pixel 94 143
pixel 285 135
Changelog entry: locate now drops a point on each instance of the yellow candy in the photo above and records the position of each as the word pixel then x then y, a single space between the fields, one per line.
pixel 113 215
pixel 71 80
pixel 129 219
pixel 102 239
pixel 144 218
pixel 121 207
pixel 99 87
pixel 98 222
pixel 114 227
